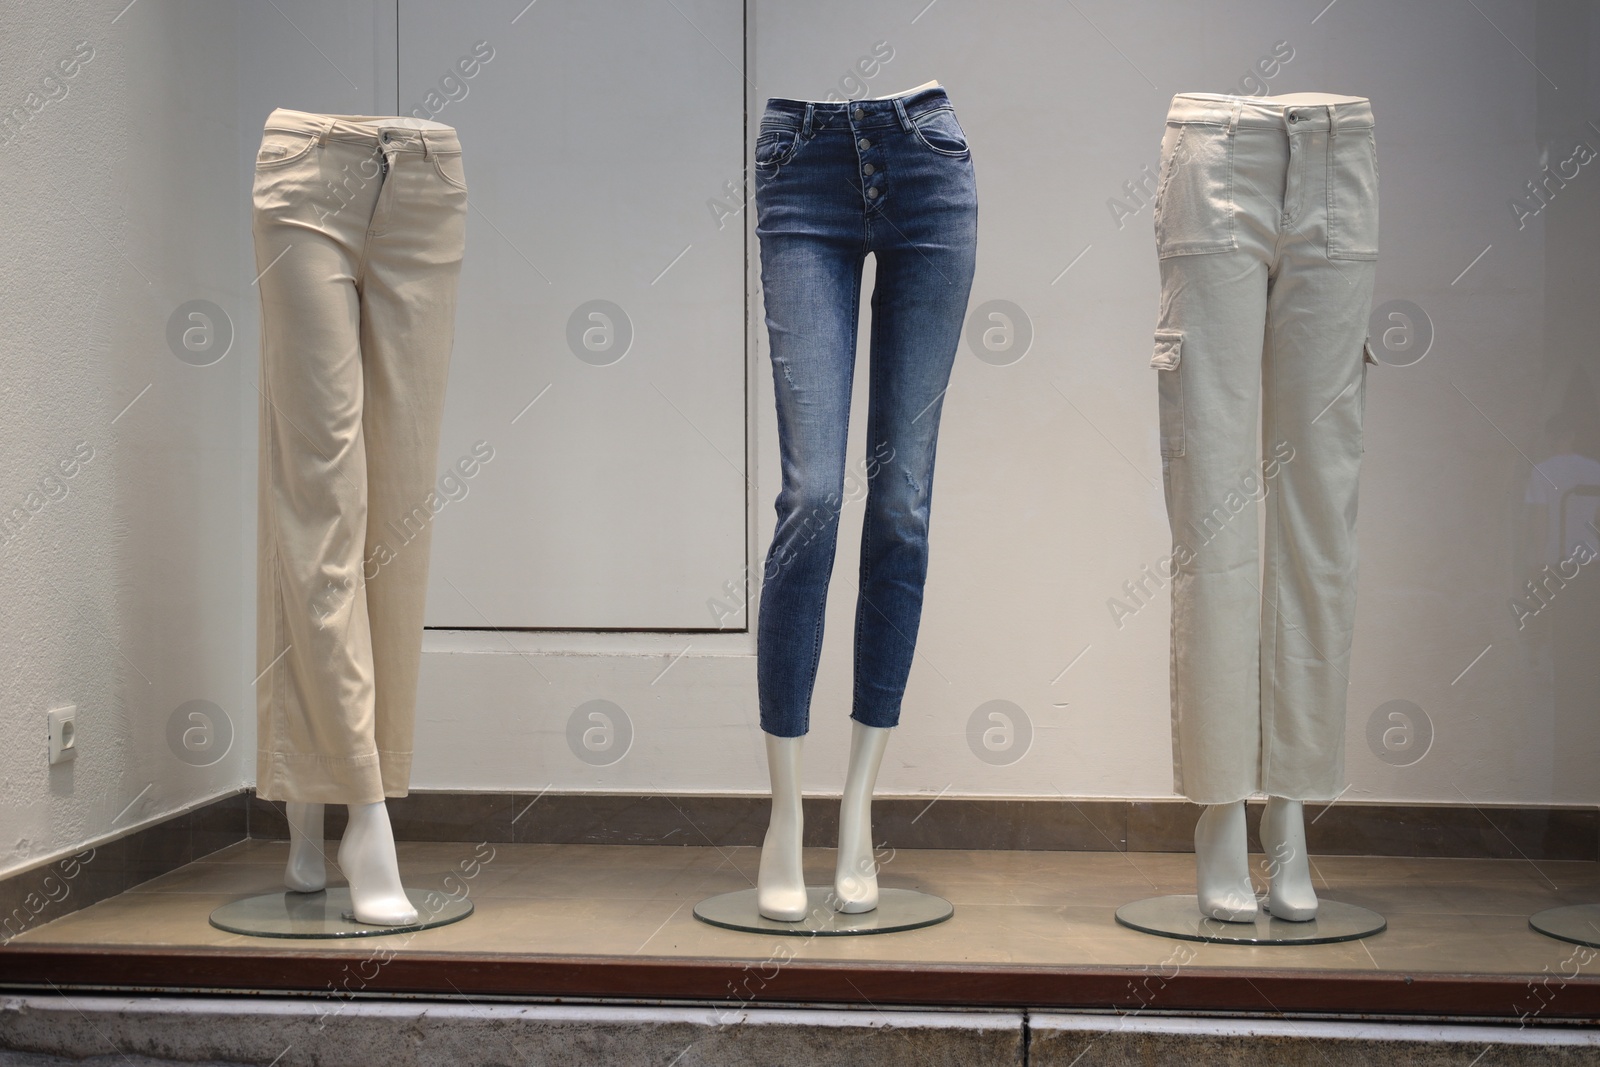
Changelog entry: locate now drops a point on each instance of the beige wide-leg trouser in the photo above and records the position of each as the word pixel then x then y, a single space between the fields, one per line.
pixel 1267 229
pixel 359 228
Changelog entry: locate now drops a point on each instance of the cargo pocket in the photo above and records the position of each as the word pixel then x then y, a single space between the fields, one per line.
pixel 1367 359
pixel 1168 359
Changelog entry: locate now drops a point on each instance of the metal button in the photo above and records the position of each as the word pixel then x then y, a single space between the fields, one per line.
pixel 863 144
pixel 872 194
pixel 858 114
pixel 1293 117
pixel 868 169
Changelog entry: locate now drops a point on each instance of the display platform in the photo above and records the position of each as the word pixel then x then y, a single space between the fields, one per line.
pixel 1034 927
pixel 1575 923
pixel 898 909
pixel 1179 916
pixel 329 913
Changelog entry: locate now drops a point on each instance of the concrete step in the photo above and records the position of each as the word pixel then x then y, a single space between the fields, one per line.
pixel 49 1031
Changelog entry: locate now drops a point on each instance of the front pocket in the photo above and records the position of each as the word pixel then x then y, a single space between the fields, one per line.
pixel 448 164
pixel 939 131
pixel 776 145
pixel 1168 360
pixel 1194 202
pixel 1352 195
pixel 280 148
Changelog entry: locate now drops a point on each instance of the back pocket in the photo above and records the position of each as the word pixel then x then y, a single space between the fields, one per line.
pixel 1194 202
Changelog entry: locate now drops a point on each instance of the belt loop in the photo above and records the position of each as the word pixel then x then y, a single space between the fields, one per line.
pixel 427 153
pixel 805 125
pixel 1233 118
pixel 1333 122
pixel 322 137
pixel 900 110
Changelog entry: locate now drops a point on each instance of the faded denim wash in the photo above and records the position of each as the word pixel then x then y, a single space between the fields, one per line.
pixel 834 182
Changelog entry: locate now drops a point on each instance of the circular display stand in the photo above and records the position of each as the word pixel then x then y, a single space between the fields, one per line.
pixel 1577 923
pixel 1179 916
pixel 898 909
pixel 329 913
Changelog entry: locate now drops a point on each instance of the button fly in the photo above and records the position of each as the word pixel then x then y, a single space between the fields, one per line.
pixel 863 144
pixel 868 169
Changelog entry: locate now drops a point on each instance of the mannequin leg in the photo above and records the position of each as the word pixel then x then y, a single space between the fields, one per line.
pixel 1222 864
pixel 367 857
pixel 855 878
pixel 307 870
pixel 781 880
pixel 1283 833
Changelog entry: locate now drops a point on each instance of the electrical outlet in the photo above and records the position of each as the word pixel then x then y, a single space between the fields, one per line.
pixel 63 734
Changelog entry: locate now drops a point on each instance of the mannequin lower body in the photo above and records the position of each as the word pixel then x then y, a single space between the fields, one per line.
pixel 1267 233
pixel 357 329
pixel 835 182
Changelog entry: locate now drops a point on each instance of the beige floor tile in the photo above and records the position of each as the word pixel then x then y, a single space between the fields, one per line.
pixel 1034 908
pixel 161 919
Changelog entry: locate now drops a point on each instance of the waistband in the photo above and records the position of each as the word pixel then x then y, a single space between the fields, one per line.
pixel 371 131
pixel 808 115
pixel 1299 112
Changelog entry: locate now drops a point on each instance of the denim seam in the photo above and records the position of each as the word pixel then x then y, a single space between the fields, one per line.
pixel 1266 697
pixel 863 567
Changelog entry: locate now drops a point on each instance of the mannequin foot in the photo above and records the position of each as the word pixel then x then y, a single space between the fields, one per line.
pixel 855 877
pixel 307 869
pixel 1222 864
pixel 855 882
pixel 1283 833
pixel 781 881
pixel 367 857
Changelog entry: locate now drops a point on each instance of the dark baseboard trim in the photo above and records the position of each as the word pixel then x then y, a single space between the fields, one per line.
pixel 729 985
pixel 1344 828
pixel 39 894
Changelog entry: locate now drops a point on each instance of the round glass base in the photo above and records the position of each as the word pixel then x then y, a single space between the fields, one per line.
pixel 1179 916
pixel 898 909
pixel 1577 923
pixel 329 913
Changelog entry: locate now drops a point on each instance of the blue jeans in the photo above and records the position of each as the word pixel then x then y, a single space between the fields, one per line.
pixel 833 183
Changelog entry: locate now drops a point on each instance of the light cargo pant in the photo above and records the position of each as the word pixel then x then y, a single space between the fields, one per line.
pixel 359 230
pixel 1266 225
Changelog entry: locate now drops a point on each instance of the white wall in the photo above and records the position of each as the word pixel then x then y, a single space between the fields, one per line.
pixel 120 589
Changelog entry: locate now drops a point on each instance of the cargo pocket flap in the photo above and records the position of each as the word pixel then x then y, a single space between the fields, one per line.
pixel 1169 350
pixel 1168 355
pixel 1366 352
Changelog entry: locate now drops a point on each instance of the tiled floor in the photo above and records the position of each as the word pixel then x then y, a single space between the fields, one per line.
pixel 1036 908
